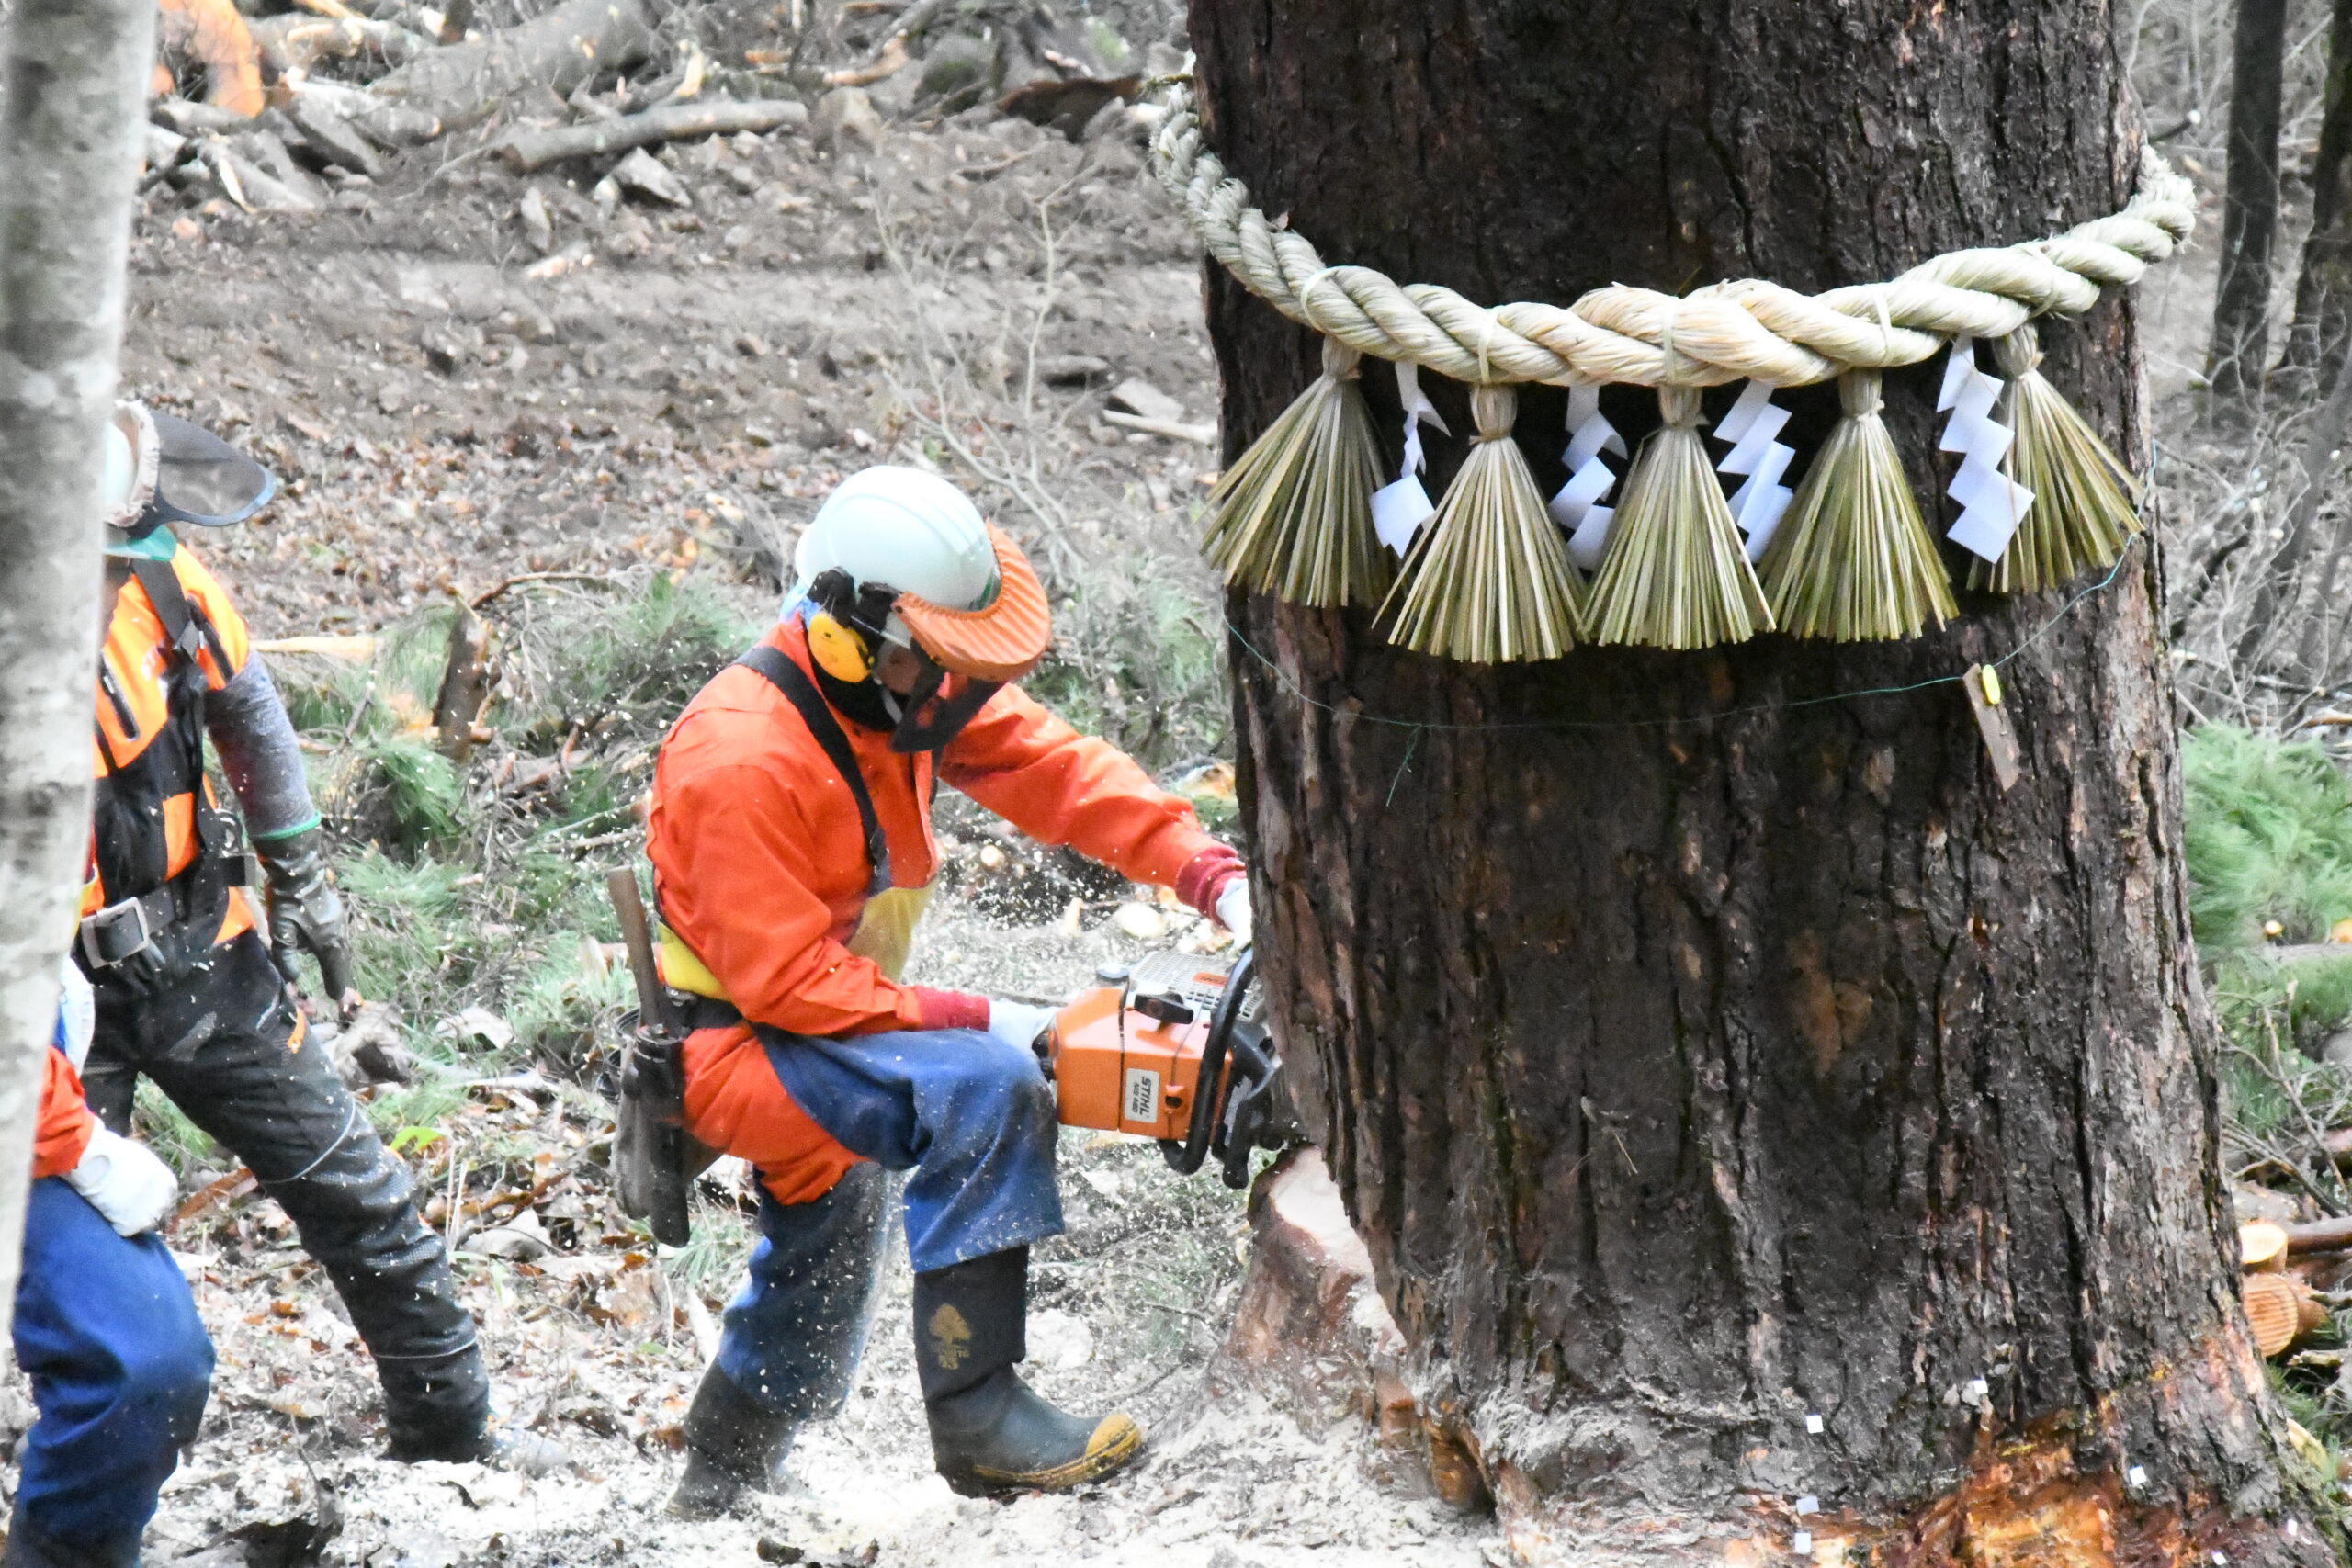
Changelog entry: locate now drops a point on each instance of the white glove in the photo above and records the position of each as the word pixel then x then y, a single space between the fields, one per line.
pixel 124 1181
pixel 78 1006
pixel 1018 1023
pixel 1233 910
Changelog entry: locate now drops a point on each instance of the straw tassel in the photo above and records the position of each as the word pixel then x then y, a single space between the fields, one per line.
pixel 1292 515
pixel 1675 575
pixel 2086 503
pixel 1854 561
pixel 1488 581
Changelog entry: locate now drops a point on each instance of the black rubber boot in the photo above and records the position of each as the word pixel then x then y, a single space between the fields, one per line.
pixel 989 1432
pixel 28 1547
pixel 733 1445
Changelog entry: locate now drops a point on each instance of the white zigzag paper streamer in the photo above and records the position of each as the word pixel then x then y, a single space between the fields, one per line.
pixel 1578 506
pixel 1751 427
pixel 1991 503
pixel 1399 510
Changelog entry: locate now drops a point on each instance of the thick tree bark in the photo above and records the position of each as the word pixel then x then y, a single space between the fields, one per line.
pixel 72 88
pixel 2323 282
pixel 1694 1055
pixel 2241 347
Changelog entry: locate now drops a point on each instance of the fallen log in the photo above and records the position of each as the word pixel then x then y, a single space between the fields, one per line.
pixel 2319 1235
pixel 466 83
pixel 1166 429
pixel 530 150
pixel 293 43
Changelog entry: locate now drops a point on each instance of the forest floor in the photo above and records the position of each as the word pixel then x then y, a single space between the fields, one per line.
pixel 659 396
pixel 605 436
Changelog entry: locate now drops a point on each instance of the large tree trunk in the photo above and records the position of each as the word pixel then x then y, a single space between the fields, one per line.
pixel 1694 1059
pixel 2241 346
pixel 72 87
pixel 2323 282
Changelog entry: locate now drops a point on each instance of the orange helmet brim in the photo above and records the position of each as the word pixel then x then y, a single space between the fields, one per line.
pixel 1002 642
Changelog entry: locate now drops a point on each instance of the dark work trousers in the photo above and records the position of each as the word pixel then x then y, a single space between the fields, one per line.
pixel 215 1041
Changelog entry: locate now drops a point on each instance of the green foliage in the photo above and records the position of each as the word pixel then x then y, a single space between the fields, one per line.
pixel 2269 837
pixel 421 792
pixel 464 890
pixel 634 663
pixel 712 1262
pixel 166 1129
pixel 1138 661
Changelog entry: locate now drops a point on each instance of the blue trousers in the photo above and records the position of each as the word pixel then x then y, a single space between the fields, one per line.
pixel 972 1118
pixel 121 1367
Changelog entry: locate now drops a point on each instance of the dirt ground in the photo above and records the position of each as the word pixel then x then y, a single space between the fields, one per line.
pixel 452 407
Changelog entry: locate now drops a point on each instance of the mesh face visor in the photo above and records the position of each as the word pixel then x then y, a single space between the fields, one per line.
pixel 202 480
pixel 938 708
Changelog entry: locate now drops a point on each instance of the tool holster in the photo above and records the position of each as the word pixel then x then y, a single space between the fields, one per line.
pixel 655 1160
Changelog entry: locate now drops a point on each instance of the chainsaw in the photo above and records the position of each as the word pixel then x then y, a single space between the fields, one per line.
pixel 1174 1048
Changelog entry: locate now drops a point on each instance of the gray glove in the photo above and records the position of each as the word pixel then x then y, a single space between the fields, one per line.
pixel 306 914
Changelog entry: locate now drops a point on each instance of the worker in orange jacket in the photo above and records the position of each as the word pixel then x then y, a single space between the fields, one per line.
pixel 791 841
pixel 105 1327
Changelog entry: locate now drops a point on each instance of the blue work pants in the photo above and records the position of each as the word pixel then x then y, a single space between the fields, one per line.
pixel 120 1366
pixel 972 1118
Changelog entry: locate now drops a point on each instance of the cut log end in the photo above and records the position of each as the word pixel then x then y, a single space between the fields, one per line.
pixel 2274 1311
pixel 2262 1245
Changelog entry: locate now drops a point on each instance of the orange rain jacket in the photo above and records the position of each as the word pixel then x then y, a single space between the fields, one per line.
pixel 62 1132
pixel 760 867
pixel 134 713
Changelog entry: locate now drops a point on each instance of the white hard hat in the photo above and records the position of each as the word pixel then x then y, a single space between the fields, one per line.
pixel 905 528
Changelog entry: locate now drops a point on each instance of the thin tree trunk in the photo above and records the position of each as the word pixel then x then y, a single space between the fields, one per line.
pixel 1695 1056
pixel 2241 346
pixel 2323 281
pixel 73 80
pixel 2279 583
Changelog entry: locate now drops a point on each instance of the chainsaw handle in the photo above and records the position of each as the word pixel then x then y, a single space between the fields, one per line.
pixel 1187 1157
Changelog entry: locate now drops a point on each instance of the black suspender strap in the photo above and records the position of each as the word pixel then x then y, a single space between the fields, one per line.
pixel 170 601
pixel 184 629
pixel 801 693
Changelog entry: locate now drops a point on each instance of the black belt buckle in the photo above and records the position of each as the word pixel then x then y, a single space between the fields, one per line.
pixel 115 934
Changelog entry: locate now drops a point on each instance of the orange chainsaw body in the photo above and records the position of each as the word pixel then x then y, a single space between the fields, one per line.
pixel 1117 1066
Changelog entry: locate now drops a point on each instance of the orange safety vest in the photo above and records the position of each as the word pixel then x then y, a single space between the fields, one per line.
pixel 154 820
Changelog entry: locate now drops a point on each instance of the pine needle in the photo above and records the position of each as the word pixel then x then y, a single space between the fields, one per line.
pixel 2086 503
pixel 1675 575
pixel 1853 561
pixel 1292 515
pixel 1487 581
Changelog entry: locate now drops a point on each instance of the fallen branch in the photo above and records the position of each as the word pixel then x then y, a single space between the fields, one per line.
pixel 522 579
pixel 1167 429
pixel 2318 1235
pixel 529 150
pixel 887 64
pixel 358 647
pixel 468 83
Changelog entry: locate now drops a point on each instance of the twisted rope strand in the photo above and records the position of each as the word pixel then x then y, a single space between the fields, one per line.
pixel 1746 328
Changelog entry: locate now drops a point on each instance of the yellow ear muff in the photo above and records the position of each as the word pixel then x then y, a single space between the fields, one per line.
pixel 839 651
